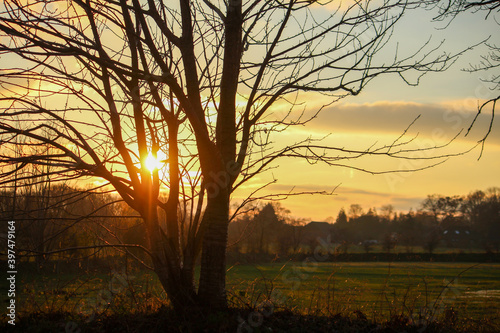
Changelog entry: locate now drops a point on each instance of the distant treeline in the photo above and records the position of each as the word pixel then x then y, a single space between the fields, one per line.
pixel 470 222
pixel 60 222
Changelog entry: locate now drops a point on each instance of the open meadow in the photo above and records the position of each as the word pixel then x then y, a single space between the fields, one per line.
pixel 379 291
pixel 374 288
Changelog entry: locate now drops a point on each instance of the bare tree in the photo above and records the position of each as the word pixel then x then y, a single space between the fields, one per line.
pixel 441 207
pixel 489 62
pixel 110 85
pixel 355 211
pixel 33 202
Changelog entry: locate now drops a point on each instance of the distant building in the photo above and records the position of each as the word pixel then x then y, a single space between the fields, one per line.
pixel 457 236
pixel 314 230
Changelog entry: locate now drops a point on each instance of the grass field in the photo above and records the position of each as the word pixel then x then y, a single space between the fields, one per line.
pixel 377 290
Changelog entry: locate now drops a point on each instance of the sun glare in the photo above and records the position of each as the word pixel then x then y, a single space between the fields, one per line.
pixel 152 163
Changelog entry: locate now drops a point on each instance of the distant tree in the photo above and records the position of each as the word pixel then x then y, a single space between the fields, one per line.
pixel 386 212
pixel 410 229
pixel 472 206
pixel 355 211
pixel 330 219
pixel 263 229
pixel 343 232
pixel 368 227
pixel 389 242
pixel 241 230
pixel 40 207
pixel 266 226
pixel 290 236
pixel 431 205
pixel 432 239
pixel 341 219
pixel 442 207
pixel 485 217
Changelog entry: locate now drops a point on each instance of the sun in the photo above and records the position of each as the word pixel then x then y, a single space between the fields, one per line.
pixel 152 163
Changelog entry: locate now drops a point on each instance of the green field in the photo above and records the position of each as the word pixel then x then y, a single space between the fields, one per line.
pixel 378 290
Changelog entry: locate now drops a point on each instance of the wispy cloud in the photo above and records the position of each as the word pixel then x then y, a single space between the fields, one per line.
pixel 446 119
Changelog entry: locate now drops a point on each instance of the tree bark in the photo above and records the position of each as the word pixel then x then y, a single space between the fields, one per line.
pixel 212 289
pixel 179 285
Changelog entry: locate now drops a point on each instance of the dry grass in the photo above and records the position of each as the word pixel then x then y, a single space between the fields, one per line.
pixel 357 297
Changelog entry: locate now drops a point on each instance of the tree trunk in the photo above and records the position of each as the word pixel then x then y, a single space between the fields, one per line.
pixel 212 289
pixel 178 284
pixel 176 279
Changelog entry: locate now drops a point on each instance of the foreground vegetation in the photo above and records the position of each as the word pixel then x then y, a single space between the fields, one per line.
pixel 317 296
pixel 166 320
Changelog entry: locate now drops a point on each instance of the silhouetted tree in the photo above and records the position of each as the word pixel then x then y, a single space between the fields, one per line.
pixel 386 212
pixel 342 232
pixel 290 236
pixel 341 219
pixel 355 211
pixel 486 218
pixel 112 84
pixel 410 230
pixel 368 227
pixel 266 226
pixel 442 207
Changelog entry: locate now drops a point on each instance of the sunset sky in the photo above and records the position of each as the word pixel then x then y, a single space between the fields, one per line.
pixel 447 103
